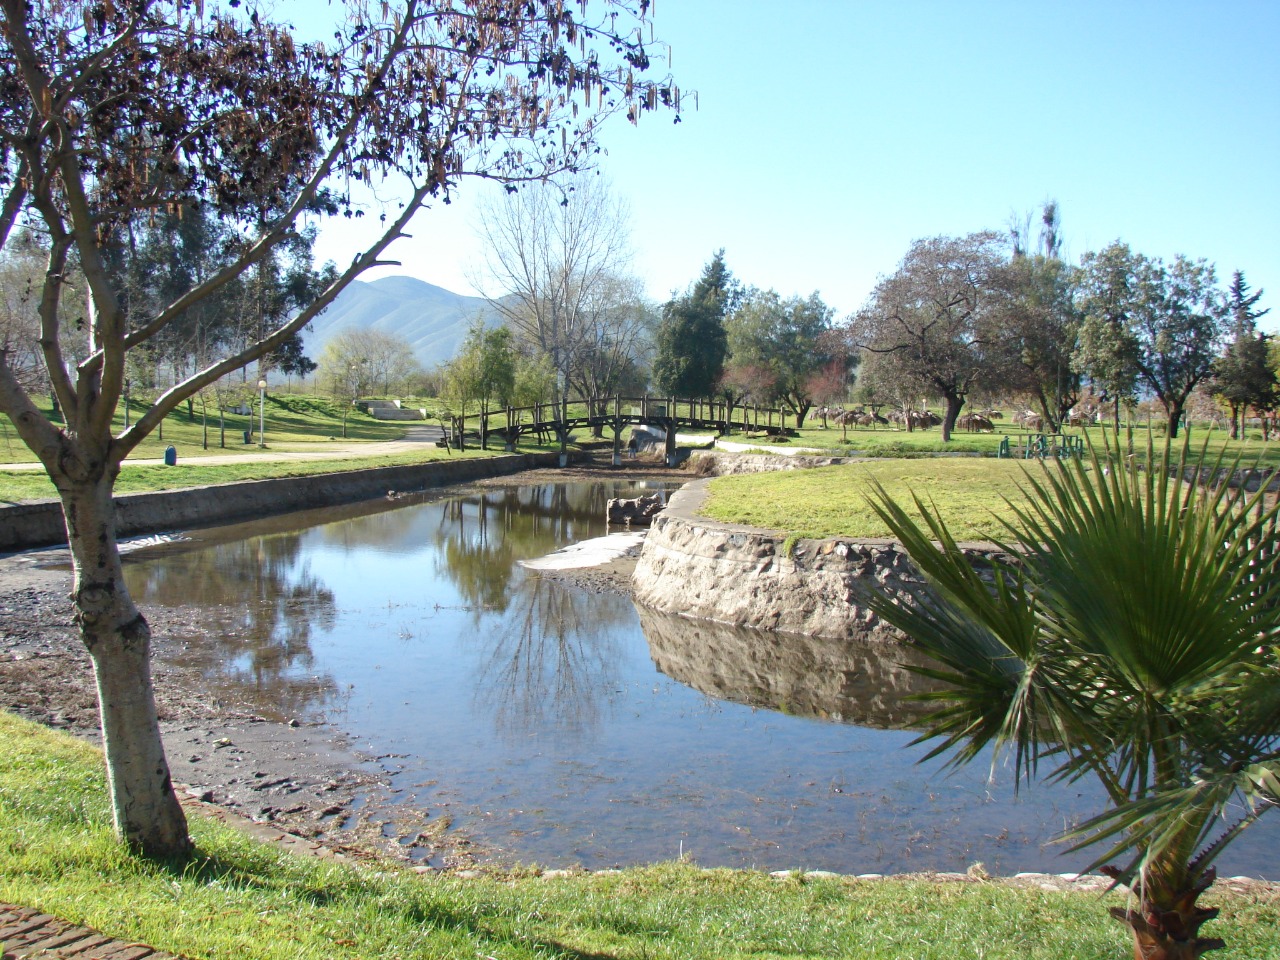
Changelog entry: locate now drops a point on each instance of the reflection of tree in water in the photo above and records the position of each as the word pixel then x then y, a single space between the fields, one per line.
pixel 258 606
pixel 556 663
pixel 483 536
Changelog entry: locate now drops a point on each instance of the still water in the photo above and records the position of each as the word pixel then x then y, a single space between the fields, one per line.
pixel 560 726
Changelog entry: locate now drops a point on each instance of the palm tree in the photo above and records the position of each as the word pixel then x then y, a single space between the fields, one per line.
pixel 1130 635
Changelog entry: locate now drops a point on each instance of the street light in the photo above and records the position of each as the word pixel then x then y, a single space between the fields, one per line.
pixel 262 413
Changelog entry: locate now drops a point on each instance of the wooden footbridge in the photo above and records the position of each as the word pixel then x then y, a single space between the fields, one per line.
pixel 550 422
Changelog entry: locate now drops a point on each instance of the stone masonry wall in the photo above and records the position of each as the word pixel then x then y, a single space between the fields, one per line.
pixel 708 570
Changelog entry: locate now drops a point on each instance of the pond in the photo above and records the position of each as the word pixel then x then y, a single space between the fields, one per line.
pixel 562 727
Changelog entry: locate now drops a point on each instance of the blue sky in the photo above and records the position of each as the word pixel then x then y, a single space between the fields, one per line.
pixel 829 135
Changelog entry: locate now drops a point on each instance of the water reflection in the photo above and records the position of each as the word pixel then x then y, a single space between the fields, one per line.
pixel 555 665
pixel 532 713
pixel 260 604
pixel 483 537
pixel 861 681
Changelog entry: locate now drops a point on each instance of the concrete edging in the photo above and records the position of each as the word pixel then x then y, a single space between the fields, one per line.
pixel 40 523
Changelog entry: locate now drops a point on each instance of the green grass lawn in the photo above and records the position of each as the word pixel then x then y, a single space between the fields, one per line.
pixel 240 899
pixel 290 419
pixel 831 501
pixel 971 493
pixel 17 486
pixel 294 422
pixel 883 441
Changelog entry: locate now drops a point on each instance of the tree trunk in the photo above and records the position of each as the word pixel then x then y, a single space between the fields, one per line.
pixel 1173 933
pixel 1053 423
pixel 954 404
pixel 145 810
pixel 1175 418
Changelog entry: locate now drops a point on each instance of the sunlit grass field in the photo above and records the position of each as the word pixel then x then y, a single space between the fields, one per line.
pixel 18 486
pixel 971 493
pixel 290 419
pixel 885 441
pixel 976 496
pixel 239 898
pixel 293 423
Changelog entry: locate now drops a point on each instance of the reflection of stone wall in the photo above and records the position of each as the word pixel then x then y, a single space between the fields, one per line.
pixel 741 575
pixel 851 680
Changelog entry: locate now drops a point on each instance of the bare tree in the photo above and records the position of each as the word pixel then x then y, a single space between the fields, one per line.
pixel 19 320
pixel 358 363
pixel 113 113
pixel 934 322
pixel 557 267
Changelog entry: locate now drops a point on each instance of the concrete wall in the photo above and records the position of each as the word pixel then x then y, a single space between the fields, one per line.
pixel 40 524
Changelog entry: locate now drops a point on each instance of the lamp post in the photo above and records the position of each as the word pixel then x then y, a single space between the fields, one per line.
pixel 262 413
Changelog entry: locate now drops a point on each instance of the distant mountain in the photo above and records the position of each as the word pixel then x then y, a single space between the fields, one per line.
pixel 431 319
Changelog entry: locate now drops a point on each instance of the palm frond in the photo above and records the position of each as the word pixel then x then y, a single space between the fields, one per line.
pixel 1129 633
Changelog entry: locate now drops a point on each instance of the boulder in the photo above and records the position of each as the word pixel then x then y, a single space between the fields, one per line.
pixel 637 512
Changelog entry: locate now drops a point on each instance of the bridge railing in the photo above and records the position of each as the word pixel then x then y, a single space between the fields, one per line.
pixel 548 420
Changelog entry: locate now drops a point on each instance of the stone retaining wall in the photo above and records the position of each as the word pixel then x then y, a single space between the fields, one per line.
pixel 708 570
pixel 721 463
pixel 40 524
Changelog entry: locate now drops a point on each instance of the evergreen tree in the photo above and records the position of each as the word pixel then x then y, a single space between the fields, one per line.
pixel 1147 324
pixel 1243 304
pixel 691 342
pixel 1243 376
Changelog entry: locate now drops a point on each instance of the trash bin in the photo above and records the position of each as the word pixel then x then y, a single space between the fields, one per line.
pixel 170 456
pixel 247 438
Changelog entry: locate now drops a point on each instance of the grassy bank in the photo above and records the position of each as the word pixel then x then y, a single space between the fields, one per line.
pixel 19 485
pixel 885 442
pixel 290 419
pixel 831 501
pixel 244 900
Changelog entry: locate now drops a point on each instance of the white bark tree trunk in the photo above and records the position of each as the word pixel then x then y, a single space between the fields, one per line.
pixel 145 809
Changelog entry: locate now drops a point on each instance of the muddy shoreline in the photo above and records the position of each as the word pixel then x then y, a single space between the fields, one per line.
pixel 304 777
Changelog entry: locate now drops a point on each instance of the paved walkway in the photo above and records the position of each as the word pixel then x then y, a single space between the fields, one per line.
pixel 29 933
pixel 415 435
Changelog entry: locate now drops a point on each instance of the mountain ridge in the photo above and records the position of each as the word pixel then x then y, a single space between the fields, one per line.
pixel 432 320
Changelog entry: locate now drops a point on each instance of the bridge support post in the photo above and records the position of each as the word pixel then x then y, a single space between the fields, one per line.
pixel 671 442
pixel 617 431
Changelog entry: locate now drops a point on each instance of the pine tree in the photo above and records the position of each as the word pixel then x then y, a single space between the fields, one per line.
pixel 691 341
pixel 1243 376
